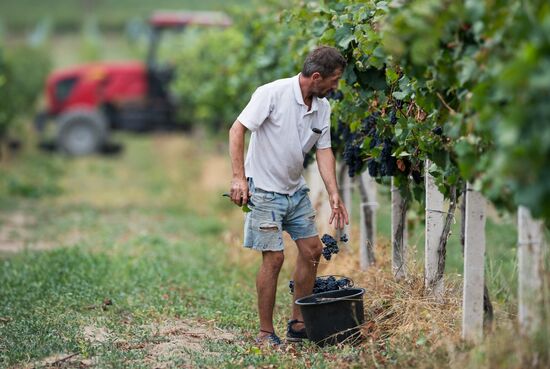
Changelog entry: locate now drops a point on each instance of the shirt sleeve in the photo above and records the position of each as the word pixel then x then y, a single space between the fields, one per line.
pixel 257 110
pixel 324 140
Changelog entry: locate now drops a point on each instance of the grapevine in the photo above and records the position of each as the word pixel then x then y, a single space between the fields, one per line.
pixel 458 83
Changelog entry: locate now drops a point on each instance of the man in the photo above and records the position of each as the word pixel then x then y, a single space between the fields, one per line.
pixel 287 118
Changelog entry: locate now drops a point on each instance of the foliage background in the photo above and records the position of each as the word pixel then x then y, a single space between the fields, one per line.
pixel 22 72
pixel 460 83
pixel 112 15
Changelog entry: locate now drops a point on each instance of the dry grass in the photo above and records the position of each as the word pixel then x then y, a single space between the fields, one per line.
pixel 397 310
pixel 404 327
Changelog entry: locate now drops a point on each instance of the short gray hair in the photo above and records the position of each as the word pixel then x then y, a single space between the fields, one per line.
pixel 325 60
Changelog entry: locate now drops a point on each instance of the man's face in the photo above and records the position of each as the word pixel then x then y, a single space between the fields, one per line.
pixel 323 86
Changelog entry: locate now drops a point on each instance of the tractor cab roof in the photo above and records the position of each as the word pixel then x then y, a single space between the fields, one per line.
pixel 180 19
pixel 97 70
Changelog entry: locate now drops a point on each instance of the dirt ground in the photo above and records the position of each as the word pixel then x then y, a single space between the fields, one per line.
pixel 15 235
pixel 173 344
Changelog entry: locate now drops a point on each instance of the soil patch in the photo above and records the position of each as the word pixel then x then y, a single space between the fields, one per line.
pixel 180 339
pixel 172 344
pixel 15 233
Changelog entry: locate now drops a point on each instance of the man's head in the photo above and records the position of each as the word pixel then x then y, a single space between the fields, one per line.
pixel 324 67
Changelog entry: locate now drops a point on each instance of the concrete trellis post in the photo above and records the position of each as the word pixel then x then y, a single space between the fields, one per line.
pixel 367 188
pixel 434 229
pixel 474 263
pixel 398 233
pixel 530 269
pixel 346 186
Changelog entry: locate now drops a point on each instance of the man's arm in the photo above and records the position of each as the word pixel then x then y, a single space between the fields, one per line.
pixel 239 185
pixel 327 168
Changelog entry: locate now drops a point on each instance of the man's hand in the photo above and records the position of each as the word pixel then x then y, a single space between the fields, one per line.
pixel 326 164
pixel 239 191
pixel 339 214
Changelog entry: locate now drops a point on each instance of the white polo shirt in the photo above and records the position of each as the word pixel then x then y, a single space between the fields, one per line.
pixel 282 134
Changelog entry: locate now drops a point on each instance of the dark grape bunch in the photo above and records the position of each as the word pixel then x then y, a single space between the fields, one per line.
pixel 325 284
pixel 388 163
pixel 437 130
pixel 331 246
pixel 339 135
pixel 369 128
pixel 393 117
pixel 385 164
pixel 352 156
pixel 417 174
pixel 337 95
pixel 369 124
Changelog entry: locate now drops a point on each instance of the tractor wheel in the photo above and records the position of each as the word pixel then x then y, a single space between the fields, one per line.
pixel 81 132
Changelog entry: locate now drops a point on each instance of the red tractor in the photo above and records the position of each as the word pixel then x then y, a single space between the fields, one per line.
pixel 87 102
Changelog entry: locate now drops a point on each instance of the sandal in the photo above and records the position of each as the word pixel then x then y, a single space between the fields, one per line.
pixel 294 335
pixel 271 339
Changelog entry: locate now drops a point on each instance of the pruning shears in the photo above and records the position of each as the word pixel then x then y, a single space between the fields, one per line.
pixel 244 207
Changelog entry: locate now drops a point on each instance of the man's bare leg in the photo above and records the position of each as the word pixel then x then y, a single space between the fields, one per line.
pixel 309 253
pixel 266 286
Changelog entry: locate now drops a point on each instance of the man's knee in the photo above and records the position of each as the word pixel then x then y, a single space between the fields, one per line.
pixel 273 260
pixel 316 251
pixel 311 248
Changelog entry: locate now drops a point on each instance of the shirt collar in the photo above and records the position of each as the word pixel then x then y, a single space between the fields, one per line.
pixel 299 97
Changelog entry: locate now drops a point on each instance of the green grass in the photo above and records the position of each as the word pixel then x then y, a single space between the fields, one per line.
pixel 48 294
pixel 29 177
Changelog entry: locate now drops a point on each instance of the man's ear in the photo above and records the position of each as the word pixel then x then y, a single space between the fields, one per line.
pixel 316 75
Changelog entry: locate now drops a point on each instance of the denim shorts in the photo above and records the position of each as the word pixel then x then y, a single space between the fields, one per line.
pixel 272 213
